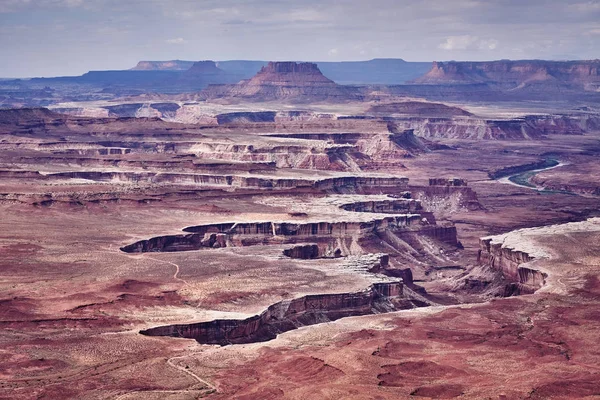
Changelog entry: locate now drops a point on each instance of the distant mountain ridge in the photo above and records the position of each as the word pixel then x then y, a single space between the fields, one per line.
pixel 584 75
pixel 382 71
pixel 376 80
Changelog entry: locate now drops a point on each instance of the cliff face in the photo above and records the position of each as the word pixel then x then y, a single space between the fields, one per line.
pixel 446 195
pixel 509 261
pixel 248 234
pixel 24 119
pixel 418 108
pixel 516 74
pixel 298 82
pixel 286 73
pixel 204 73
pixel 529 127
pixel 288 315
pixel 206 70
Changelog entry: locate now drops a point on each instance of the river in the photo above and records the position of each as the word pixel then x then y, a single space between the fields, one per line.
pixel 523 178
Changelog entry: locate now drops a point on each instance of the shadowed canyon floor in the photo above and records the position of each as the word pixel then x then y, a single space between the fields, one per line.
pixel 355 251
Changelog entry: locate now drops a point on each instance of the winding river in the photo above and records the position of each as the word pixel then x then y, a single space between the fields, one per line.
pixel 523 178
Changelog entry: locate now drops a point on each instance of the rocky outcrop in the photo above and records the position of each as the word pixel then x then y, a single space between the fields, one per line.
pixel 371 151
pixel 295 154
pixel 349 184
pixel 290 81
pixel 291 314
pixel 445 234
pixel 515 75
pixel 510 262
pixel 166 110
pixel 377 71
pixel 396 206
pixel 125 110
pixel 374 263
pixel 364 185
pixel 303 252
pixel 28 119
pixel 203 73
pixel 418 109
pixel 248 234
pixel 446 195
pixel 246 117
pixel 529 127
pixel 447 182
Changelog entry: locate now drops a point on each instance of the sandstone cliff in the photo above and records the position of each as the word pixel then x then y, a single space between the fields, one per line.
pixel 290 81
pixel 497 254
pixel 547 75
pixel 418 108
pixel 291 314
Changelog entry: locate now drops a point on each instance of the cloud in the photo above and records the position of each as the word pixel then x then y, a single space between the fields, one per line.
pixel 333 52
pixel 73 3
pixel 10 6
pixel 178 40
pixel 588 6
pixel 468 42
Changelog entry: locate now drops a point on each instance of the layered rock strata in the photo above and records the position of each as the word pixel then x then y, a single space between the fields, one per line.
pixel 446 195
pixel 495 254
pixel 245 234
pixel 583 75
pixel 291 314
pixel 298 82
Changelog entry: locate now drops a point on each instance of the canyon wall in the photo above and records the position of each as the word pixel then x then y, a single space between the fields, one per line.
pixel 291 314
pixel 245 234
pixel 522 280
pixel 350 184
pixel 583 75
pixel 528 127
pixel 447 196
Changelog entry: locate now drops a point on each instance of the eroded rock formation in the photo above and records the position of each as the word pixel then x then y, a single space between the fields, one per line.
pixel 298 82
pixel 247 234
pixel 583 75
pixel 510 262
pixel 418 108
pixel 446 195
pixel 291 314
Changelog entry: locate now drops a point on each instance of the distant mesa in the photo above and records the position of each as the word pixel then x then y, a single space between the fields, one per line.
pixel 516 74
pixel 203 73
pixel 204 67
pixel 379 71
pixel 298 82
pixel 290 74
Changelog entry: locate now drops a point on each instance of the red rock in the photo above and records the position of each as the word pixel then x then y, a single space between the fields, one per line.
pixel 516 74
pixel 296 82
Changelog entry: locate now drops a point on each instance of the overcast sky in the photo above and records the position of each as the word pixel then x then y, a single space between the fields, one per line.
pixel 70 37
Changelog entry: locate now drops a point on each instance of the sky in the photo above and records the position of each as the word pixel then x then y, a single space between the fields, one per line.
pixel 71 37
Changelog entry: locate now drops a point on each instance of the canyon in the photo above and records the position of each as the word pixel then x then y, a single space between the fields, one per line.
pixel 290 230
